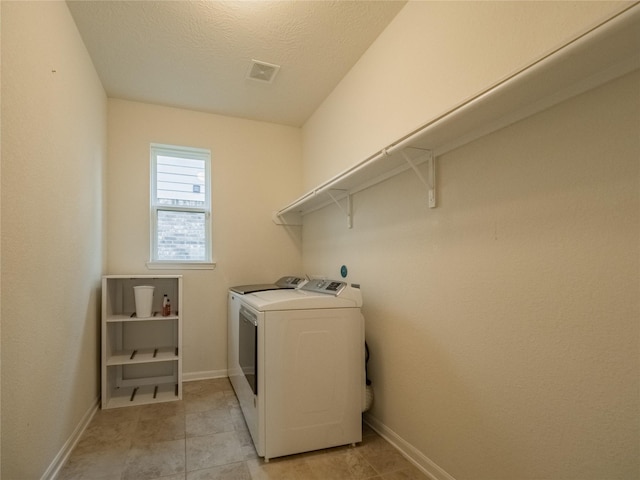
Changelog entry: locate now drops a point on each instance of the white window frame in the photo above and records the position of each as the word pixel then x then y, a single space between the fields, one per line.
pixel 157 149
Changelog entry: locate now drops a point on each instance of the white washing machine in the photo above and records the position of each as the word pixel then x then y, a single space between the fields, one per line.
pixel 301 354
pixel 233 308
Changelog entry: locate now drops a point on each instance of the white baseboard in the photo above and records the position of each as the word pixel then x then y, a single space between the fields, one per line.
pixel 421 461
pixel 58 462
pixel 207 375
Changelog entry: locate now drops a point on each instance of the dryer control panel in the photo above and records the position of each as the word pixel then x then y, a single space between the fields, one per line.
pixel 330 287
pixel 290 282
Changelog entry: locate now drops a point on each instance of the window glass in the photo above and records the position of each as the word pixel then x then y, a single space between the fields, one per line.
pixel 181 236
pixel 180 181
pixel 180 204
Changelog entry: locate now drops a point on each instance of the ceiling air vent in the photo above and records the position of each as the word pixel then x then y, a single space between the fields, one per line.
pixel 262 71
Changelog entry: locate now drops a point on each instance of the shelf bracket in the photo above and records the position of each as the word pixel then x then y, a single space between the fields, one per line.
pixel 289 219
pixel 429 182
pixel 348 210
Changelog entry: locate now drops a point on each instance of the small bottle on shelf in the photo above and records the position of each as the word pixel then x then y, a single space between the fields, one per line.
pixel 166 306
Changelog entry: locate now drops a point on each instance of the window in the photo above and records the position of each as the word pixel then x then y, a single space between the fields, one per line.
pixel 180 205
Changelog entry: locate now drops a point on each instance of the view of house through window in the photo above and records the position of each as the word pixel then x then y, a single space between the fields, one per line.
pixel 180 204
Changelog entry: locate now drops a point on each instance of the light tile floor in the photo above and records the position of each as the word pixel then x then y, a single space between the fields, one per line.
pixel 204 437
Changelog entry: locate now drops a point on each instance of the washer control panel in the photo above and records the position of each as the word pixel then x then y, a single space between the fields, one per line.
pixel 331 287
pixel 290 282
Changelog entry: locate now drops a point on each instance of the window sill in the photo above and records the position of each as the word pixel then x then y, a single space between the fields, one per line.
pixel 181 265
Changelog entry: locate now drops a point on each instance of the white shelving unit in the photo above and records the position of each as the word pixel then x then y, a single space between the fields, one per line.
pixel 141 357
pixel 602 54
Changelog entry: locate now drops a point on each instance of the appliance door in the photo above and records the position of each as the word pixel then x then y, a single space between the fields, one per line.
pixel 248 347
pixel 313 367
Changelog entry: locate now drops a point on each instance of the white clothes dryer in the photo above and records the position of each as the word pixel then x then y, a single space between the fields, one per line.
pixel 301 353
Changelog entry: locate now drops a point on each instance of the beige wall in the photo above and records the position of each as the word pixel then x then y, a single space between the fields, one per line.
pixel 433 56
pixel 53 161
pixel 504 324
pixel 255 169
pixel 0 255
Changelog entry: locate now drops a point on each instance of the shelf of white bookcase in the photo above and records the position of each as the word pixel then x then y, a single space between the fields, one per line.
pixel 143 355
pixel 121 397
pixel 126 317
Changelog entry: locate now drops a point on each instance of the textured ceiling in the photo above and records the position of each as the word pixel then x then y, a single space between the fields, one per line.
pixel 196 54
